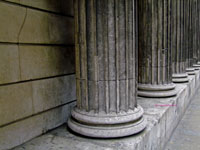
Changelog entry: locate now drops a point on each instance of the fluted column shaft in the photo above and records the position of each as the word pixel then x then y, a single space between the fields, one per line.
pixel 190 37
pixel 106 69
pixel 195 27
pixel 178 44
pixel 155 72
pixel 194 30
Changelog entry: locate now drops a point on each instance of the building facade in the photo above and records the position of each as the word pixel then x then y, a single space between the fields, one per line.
pixel 88 63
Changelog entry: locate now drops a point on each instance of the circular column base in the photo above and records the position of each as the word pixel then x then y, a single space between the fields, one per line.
pixel 157 91
pixel 180 78
pixel 190 71
pixel 196 66
pixel 99 125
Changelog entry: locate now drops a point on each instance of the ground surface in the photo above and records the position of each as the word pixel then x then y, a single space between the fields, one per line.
pixel 187 134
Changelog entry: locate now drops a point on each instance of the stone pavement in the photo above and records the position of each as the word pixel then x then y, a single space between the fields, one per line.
pixel 187 134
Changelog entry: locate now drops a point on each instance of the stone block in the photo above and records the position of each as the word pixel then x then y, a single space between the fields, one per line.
pixel 59 6
pixel 18 101
pixel 46 28
pixel 9 63
pixel 15 102
pixel 44 61
pixel 53 92
pixel 22 131
pixel 12 18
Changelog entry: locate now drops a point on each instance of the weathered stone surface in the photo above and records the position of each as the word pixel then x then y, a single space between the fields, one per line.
pixel 106 70
pixel 187 134
pixel 18 101
pixel 162 115
pixel 53 92
pixel 24 25
pixel 12 18
pixel 154 49
pixel 44 61
pixel 59 6
pixel 22 131
pixel 15 102
pixel 9 63
pixel 178 41
pixel 46 28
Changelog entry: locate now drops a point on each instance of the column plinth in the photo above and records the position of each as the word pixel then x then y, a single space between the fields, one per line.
pixel 180 78
pixel 196 66
pixel 103 125
pixel 190 71
pixel 106 45
pixel 155 72
pixel 156 91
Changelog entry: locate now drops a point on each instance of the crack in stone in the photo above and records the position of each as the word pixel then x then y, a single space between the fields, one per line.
pixel 22 26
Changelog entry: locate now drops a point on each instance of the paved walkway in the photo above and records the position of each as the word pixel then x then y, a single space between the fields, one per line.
pixel 187 134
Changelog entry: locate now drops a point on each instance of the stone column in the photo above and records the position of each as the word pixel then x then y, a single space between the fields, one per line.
pixel 155 71
pixel 198 31
pixel 178 43
pixel 189 51
pixel 195 34
pixel 106 37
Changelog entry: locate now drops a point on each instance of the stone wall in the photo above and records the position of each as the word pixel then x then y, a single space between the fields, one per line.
pixel 37 82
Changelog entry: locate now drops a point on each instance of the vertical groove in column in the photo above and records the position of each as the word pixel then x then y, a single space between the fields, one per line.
pixel 101 56
pixel 155 49
pixel 178 48
pixel 134 49
pixel 122 65
pixel 105 65
pixel 198 25
pixel 83 55
pixel 198 32
pixel 154 53
pixel 117 52
pixel 127 53
pixel 77 57
pixel 112 54
pixel 169 53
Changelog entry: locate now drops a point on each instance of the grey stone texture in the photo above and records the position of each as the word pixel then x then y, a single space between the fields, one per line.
pixel 190 29
pixel 187 135
pixel 26 25
pixel 178 45
pixel 64 7
pixel 155 70
pixel 20 132
pixel 29 98
pixel 37 66
pixel 106 70
pixel 163 116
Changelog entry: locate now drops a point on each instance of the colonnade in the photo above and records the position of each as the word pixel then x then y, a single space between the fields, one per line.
pixel 126 48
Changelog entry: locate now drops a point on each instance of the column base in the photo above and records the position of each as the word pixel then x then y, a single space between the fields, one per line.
pixel 190 71
pixel 180 78
pixel 196 66
pixel 101 125
pixel 157 91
